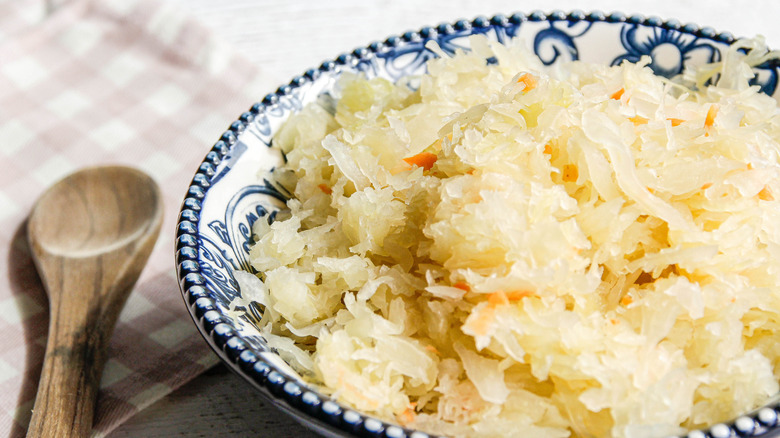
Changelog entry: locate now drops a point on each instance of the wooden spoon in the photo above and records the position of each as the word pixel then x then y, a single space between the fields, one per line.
pixel 90 235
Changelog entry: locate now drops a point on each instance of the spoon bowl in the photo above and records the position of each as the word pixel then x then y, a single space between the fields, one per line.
pixel 91 235
pixel 77 216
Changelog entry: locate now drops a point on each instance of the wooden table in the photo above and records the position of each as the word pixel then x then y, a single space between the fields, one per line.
pixel 218 403
pixel 287 37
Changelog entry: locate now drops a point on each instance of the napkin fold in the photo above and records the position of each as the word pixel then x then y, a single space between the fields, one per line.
pixel 90 82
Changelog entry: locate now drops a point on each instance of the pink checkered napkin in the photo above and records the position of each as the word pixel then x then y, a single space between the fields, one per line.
pixel 97 82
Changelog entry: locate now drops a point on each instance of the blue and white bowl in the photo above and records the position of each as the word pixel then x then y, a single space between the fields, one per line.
pixel 214 231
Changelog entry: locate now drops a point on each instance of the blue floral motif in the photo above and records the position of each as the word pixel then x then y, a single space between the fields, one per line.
pixel 235 153
pixel 556 43
pixel 411 58
pixel 217 267
pixel 262 128
pixel 407 61
pixel 766 77
pixel 505 34
pixel 458 40
pixel 668 49
pixel 226 247
pixel 285 105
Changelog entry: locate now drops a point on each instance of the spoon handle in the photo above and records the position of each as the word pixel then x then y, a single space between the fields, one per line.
pixel 75 353
pixel 66 396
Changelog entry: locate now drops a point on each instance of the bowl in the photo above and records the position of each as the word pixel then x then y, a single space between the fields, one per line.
pixel 214 231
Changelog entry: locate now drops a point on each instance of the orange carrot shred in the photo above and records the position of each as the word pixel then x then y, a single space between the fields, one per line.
pixel 705 186
pixel 765 195
pixel 325 189
pixel 518 295
pixel 529 80
pixel 675 122
pixel 481 324
pixel 406 417
pixel 497 297
pixel 613 321
pixel 462 286
pixel 711 114
pixel 617 94
pixel 570 172
pixel 423 159
pixel 626 300
pixel 500 297
pixel 637 120
pixel 548 149
pixel 433 349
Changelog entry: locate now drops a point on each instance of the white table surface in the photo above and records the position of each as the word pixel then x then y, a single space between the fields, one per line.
pixel 287 37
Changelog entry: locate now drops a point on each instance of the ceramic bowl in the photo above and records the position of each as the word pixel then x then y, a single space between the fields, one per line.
pixel 225 197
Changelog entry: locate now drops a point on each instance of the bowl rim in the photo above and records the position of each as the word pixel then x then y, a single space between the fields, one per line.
pixel 310 407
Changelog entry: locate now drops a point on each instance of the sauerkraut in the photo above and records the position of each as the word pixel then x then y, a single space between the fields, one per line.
pixel 509 249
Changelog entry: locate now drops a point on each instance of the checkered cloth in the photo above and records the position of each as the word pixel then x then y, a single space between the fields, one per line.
pixel 96 82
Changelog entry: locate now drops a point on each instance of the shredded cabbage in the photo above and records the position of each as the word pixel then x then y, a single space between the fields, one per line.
pixel 514 249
